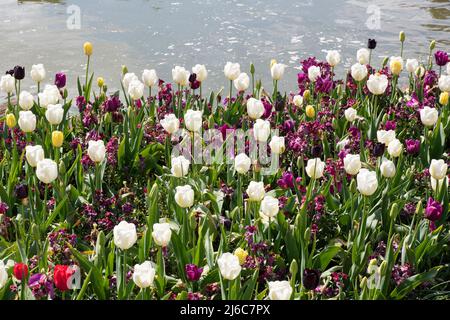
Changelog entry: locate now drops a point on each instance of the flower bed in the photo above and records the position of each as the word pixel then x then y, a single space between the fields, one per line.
pixel 161 191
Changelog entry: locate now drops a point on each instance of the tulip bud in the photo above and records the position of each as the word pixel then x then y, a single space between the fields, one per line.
pixel 432 44
pixel 293 269
pixel 402 36
pixel 353 187
pixel 252 68
pixel 124 70
pixel 272 62
pixel 10 120
pixel 363 283
pixel 87 48
pixel 385 61
pixel 57 138
pixel 443 98
pixel 100 82
pixel 310 111
pixel 383 267
pixel 394 211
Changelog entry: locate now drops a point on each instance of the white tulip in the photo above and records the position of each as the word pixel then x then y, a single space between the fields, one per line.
pixel 184 196
pixel 444 83
pixel 229 266
pixel 256 191
pixel 314 168
pixel 448 68
pixel 242 163
pixel 333 58
pixel 279 290
pixel 34 154
pixel 47 170
pixel 438 183
pixel 179 166
pixel 395 148
pixel 387 168
pixel 438 169
pixel 125 235
pixel 255 108
pixel 359 71
pixel 144 274
pixel 50 95
pixel 193 120
pixel 7 83
pixel 363 56
pixel 136 89
pixel 261 130
pixel 54 114
pixel 127 78
pixel 270 206
pixel 26 100
pixel 3 275
pixel 366 182
pixel 232 70
pixel 352 164
pixel 385 137
pixel 150 78
pixel 377 83
pixel 277 71
pixel 242 82
pixel 161 234
pixel 200 71
pixel 297 100
pixel 96 150
pixel 277 145
pixel 313 73
pixel 350 114
pixel 429 116
pixel 37 72
pixel 170 123
pixel 412 65
pixel 27 121
pixel 180 76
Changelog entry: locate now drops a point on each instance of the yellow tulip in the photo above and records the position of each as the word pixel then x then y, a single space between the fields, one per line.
pixel 100 82
pixel 10 120
pixel 241 254
pixel 310 112
pixel 402 36
pixel 87 48
pixel 396 67
pixel 443 98
pixel 306 94
pixel 57 138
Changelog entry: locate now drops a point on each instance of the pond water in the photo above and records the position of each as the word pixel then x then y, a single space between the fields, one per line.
pixel 161 34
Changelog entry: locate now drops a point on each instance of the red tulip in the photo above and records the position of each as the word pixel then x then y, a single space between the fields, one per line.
pixel 61 276
pixel 20 271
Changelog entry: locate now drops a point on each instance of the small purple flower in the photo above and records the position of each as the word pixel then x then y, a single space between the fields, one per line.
pixel 112 104
pixel 441 58
pixel 286 181
pixel 412 146
pixel 3 207
pixel 60 80
pixel 193 273
pixel 433 211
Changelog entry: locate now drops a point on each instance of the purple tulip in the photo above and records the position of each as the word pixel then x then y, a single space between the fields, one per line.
pixel 193 272
pixel 433 211
pixel 412 146
pixel 390 125
pixel 286 181
pixel 441 58
pixel 60 80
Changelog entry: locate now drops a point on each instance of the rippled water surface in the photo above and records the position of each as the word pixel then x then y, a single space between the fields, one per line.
pixel 160 34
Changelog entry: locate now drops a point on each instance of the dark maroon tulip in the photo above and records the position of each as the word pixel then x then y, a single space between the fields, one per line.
pixel 21 191
pixel 193 273
pixel 441 58
pixel 19 72
pixel 412 146
pixel 60 80
pixel 371 44
pixel 311 278
pixel 433 211
pixel 316 151
pixel 378 149
pixel 10 72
